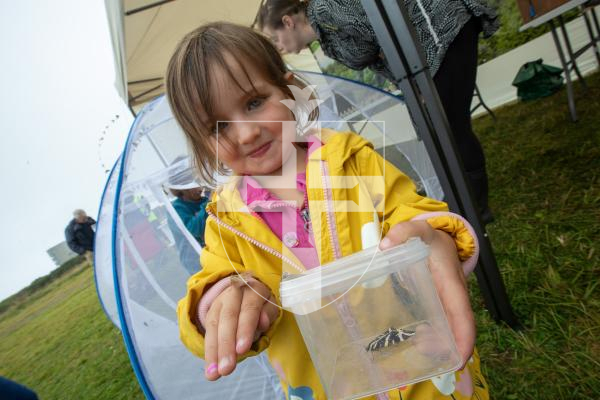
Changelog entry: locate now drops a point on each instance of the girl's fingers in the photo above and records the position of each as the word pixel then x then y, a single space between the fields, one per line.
pixel 403 231
pixel 269 314
pixel 451 287
pixel 264 322
pixel 211 341
pixel 252 306
pixel 461 320
pixel 228 323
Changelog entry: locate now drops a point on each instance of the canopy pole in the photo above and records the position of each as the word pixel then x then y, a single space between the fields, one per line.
pixel 131 100
pixel 405 57
pixel 145 81
pixel 146 7
pixel 162 157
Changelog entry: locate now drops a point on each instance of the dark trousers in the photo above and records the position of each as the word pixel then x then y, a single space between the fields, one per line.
pixel 455 83
pixel 10 390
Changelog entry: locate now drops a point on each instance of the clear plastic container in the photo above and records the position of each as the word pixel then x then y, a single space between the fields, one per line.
pixel 372 321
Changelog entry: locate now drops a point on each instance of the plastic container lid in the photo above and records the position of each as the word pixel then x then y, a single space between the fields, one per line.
pixel 342 274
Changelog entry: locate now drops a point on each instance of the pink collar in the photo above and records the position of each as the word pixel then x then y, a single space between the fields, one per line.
pixel 257 197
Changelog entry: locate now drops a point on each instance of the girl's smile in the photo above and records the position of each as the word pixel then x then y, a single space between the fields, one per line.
pixel 260 151
pixel 248 120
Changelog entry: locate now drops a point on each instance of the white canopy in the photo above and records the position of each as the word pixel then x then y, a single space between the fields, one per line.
pixel 145 32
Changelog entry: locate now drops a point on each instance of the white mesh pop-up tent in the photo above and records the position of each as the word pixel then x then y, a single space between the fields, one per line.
pixel 140 273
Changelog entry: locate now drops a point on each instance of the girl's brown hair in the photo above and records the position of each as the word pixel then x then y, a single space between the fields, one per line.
pixel 191 89
pixel 271 12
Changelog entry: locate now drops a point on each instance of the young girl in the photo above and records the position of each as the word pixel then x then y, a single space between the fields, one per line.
pixel 448 31
pixel 227 86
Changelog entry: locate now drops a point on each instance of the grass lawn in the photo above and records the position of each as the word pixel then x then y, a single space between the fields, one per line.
pixel 545 192
pixel 60 343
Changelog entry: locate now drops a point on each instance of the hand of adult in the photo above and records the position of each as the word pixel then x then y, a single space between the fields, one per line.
pixel 447 276
pixel 236 318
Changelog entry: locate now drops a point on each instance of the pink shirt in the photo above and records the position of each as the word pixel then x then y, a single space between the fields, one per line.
pixel 288 220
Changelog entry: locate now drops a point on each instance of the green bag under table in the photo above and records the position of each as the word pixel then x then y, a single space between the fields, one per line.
pixel 535 80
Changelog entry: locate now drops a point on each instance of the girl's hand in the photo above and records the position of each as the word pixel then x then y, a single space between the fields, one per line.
pixel 236 318
pixel 447 276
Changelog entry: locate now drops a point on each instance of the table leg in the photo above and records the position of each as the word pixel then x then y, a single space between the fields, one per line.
pixel 573 60
pixel 565 67
pixel 595 19
pixel 593 39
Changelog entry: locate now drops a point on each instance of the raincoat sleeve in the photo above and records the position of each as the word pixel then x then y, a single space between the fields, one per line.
pixel 396 200
pixel 220 259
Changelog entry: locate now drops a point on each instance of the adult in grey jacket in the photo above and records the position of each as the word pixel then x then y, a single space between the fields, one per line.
pixel 448 31
pixel 79 234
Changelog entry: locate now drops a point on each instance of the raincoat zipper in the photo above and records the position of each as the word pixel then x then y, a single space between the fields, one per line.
pixel 255 242
pixel 329 214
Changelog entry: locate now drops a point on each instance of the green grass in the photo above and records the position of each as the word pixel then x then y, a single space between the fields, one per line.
pixel 60 343
pixel 544 178
pixel 545 192
pixel 38 286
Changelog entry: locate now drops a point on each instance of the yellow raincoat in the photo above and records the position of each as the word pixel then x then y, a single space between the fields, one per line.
pixel 346 181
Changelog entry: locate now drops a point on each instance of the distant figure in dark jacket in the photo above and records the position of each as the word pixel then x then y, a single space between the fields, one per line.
pixel 80 234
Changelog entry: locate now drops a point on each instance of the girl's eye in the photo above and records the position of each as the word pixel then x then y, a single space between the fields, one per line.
pixel 220 127
pixel 254 103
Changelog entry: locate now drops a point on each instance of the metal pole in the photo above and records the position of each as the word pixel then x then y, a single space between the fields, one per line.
pixel 159 153
pixel 147 7
pixel 565 66
pixel 593 39
pixel 572 58
pixel 400 45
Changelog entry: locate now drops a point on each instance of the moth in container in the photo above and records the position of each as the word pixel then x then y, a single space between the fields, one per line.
pixel 390 337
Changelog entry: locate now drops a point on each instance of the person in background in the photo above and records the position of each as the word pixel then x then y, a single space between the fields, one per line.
pixel 79 234
pixel 190 205
pixel 448 31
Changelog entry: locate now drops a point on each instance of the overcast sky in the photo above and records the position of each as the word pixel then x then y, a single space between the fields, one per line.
pixel 57 75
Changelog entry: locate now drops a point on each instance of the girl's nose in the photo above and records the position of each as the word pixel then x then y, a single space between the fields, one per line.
pixel 247 132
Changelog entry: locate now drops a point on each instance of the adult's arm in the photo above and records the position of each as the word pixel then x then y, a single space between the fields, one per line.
pixel 346 32
pixel 195 222
pixel 72 241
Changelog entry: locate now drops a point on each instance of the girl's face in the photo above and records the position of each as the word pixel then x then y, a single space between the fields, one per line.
pixel 247 124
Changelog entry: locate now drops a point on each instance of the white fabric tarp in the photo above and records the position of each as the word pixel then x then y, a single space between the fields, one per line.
pixel 144 41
